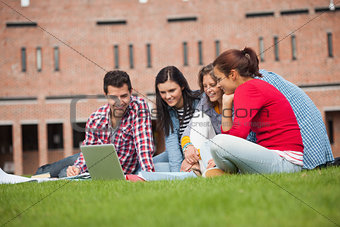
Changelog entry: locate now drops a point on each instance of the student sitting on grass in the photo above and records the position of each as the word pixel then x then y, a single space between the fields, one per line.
pixel 258 107
pixel 205 124
pixel 125 122
pixel 176 104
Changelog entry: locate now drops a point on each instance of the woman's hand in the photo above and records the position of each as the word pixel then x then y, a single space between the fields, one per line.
pixel 191 155
pixel 211 164
pixel 227 100
pixel 185 166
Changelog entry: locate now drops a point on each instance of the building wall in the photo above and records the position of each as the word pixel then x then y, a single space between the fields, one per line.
pixel 87 52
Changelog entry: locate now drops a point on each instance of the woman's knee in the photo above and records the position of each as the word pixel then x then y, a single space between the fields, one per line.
pixel 220 141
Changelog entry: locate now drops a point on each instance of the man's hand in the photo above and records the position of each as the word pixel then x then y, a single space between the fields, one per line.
pixel 191 155
pixel 72 171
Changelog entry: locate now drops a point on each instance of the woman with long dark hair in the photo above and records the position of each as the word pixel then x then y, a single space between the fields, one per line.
pixel 176 104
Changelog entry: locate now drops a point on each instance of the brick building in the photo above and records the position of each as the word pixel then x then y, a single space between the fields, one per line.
pixel 55 53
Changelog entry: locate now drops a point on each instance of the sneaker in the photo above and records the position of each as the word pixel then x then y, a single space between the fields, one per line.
pixel 213 172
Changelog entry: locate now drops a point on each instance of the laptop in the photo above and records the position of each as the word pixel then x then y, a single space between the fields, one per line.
pixel 102 162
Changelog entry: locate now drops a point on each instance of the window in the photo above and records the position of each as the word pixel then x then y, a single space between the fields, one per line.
pixel 293 39
pixel 294 12
pixel 23 59
pixel 148 55
pixel 111 22
pixel 131 56
pixel 182 19
pixel 259 14
pixel 21 24
pixel 6 148
pixel 39 59
pixel 55 136
pixel 116 54
pixel 29 134
pixel 78 133
pixel 200 55
pixel 56 58
pixel 217 48
pixel 261 45
pixel 330 131
pixel 330 44
pixel 185 53
pixel 276 48
pixel 6 141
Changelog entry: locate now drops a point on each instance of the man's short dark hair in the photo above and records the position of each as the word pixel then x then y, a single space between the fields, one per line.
pixel 116 78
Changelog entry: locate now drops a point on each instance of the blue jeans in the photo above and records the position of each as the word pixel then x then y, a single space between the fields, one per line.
pixel 233 154
pixel 58 169
pixel 161 162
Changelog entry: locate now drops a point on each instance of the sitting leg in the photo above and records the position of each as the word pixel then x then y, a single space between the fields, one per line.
pixel 233 153
pixel 58 168
pixel 161 162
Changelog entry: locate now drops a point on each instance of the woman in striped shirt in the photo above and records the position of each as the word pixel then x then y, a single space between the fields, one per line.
pixel 258 107
pixel 176 104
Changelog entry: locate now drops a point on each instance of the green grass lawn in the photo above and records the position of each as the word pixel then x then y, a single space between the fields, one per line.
pixel 308 198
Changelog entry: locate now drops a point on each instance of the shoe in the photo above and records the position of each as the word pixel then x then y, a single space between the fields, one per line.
pixel 213 172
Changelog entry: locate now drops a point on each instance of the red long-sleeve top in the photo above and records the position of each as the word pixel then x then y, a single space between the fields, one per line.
pixel 261 108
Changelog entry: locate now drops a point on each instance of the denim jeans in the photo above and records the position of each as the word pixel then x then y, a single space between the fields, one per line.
pixel 58 169
pixel 161 162
pixel 233 154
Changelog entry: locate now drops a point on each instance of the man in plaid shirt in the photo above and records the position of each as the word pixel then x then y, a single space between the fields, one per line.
pixel 125 122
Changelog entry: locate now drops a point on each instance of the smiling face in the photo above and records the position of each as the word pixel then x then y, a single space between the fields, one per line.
pixel 211 89
pixel 119 99
pixel 171 93
pixel 226 83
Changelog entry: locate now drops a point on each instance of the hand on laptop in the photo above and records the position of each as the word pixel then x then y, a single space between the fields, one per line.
pixel 72 171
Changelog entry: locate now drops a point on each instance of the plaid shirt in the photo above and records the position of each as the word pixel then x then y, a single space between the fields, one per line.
pixel 317 148
pixel 132 139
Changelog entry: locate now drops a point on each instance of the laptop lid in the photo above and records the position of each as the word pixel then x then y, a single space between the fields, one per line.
pixel 102 162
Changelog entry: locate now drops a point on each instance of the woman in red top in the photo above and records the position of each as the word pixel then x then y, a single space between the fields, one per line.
pixel 258 107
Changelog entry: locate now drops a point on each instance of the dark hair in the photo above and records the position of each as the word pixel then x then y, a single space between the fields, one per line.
pixel 163 115
pixel 208 69
pixel 244 61
pixel 116 78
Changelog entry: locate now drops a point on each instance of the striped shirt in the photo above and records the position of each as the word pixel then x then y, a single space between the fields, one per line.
pixel 294 157
pixel 183 120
